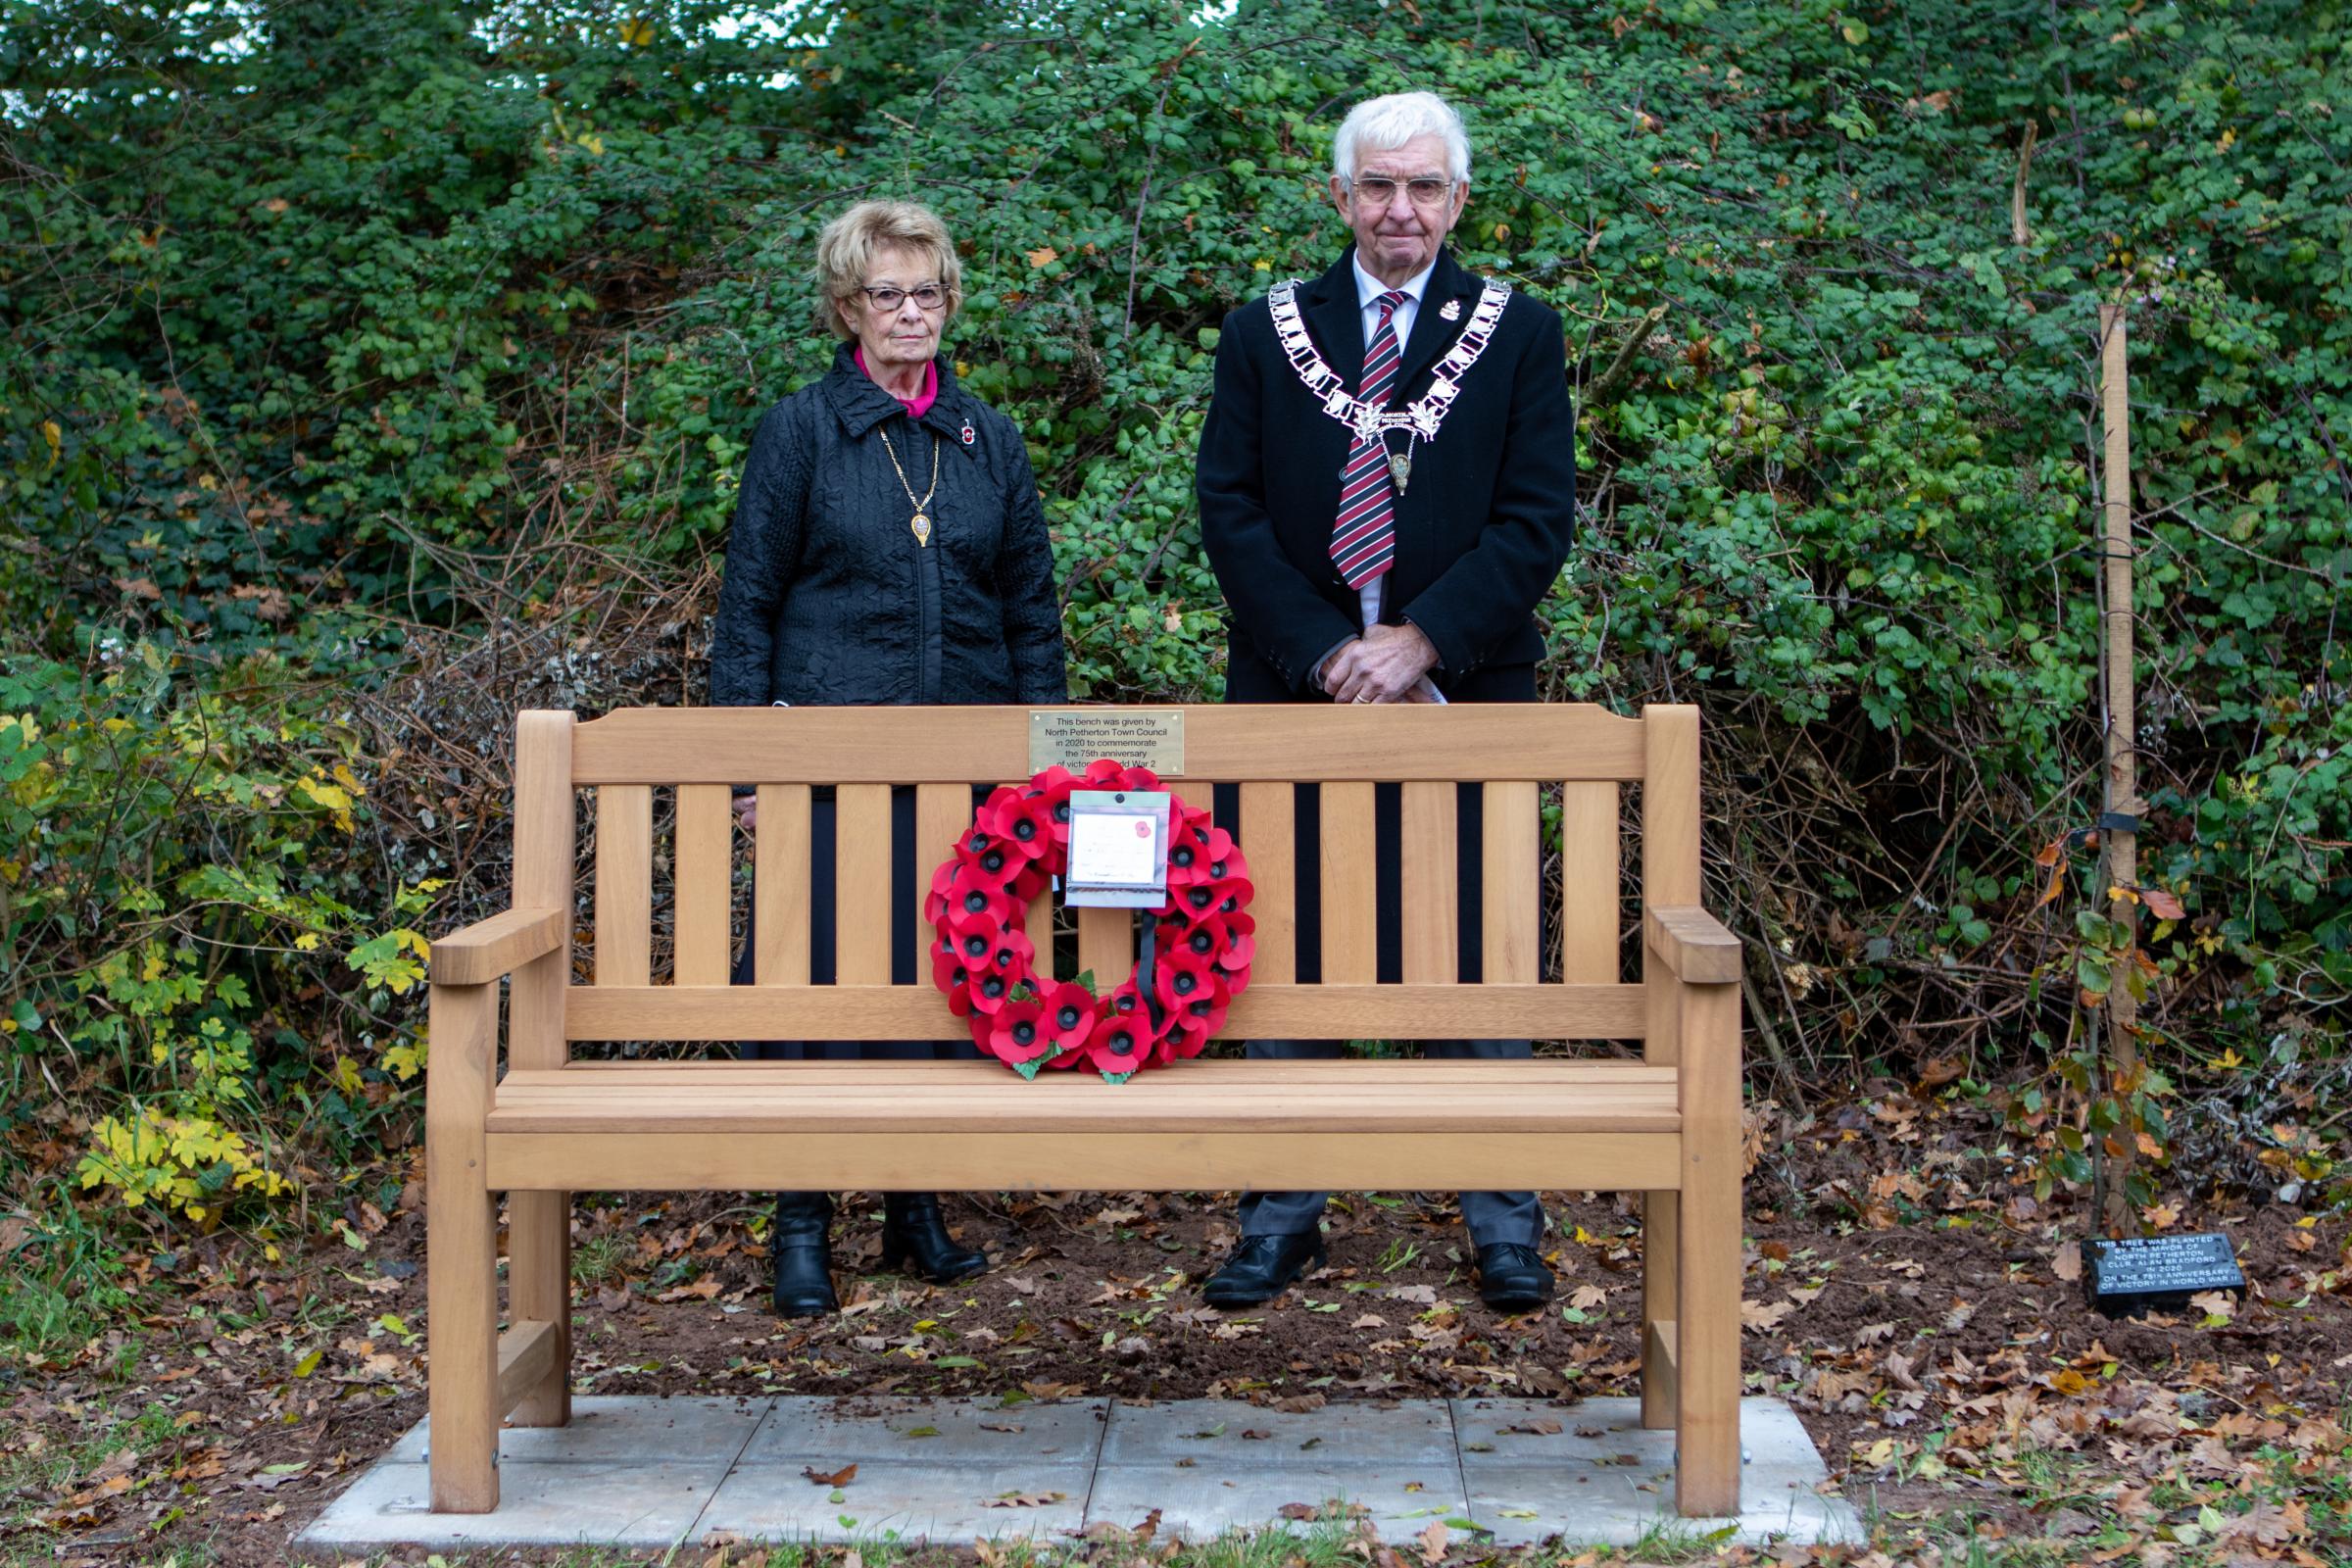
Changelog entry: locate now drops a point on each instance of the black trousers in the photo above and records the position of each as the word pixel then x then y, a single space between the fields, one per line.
pixel 1490 1218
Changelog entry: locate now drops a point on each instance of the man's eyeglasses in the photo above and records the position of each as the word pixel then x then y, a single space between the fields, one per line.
pixel 886 298
pixel 1374 191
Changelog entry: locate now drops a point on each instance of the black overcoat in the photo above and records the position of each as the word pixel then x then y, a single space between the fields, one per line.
pixel 1483 525
pixel 829 599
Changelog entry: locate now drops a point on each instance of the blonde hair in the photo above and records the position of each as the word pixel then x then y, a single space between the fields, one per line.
pixel 848 246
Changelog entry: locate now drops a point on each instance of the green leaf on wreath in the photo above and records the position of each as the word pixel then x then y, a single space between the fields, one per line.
pixel 1086 978
pixel 1116 1077
pixel 1028 1069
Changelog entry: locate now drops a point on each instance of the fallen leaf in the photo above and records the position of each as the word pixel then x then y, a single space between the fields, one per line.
pixel 1044 256
pixel 1023 1500
pixel 2067 1263
pixel 839 1478
pixel 1433 1543
pixel 1536 1426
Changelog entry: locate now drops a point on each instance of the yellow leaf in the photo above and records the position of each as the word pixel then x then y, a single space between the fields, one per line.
pixel 1044 256
pixel 55 437
pixel 308 942
pixel 638 33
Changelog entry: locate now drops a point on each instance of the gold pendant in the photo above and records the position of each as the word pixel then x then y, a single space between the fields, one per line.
pixel 921 525
pixel 1400 468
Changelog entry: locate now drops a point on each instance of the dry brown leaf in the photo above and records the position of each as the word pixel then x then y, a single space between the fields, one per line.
pixel 2067 1264
pixel 1023 1500
pixel 1433 1543
pixel 839 1478
pixel 1542 1426
pixel 1044 256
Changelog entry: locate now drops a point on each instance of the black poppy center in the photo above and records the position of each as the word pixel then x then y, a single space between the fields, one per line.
pixel 992 986
pixel 992 860
pixel 1185 984
pixel 975 901
pixel 975 945
pixel 1203 898
pixel 1202 942
pixel 1024 1032
pixel 1024 830
pixel 1061 812
pixel 1216 868
pixel 1122 1043
pixel 1067 1018
pixel 1183 855
pixel 979 841
pixel 1126 1004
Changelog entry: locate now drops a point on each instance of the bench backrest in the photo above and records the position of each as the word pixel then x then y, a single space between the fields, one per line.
pixel 1514 751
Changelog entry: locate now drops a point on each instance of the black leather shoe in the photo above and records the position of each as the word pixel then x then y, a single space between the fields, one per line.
pixel 1262 1268
pixel 915 1239
pixel 1512 1278
pixel 804 1253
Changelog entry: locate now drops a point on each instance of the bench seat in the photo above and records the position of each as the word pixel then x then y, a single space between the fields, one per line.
pixel 1214 1124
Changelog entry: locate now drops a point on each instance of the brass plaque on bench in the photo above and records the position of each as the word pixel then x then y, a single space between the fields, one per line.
pixel 1132 737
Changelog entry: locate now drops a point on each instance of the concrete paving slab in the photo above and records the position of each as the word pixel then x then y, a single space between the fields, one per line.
pixel 1235 1436
pixel 645 1472
pixel 634 1502
pixel 829 1433
pixel 1207 1499
pixel 607 1427
pixel 1604 1480
pixel 906 1501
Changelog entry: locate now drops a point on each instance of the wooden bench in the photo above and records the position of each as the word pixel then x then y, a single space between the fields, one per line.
pixel 1667 1126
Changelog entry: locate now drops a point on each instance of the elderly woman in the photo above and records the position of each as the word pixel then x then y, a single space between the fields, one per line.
pixel 888 547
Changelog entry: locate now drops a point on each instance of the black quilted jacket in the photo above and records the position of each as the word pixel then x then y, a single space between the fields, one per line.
pixel 827 597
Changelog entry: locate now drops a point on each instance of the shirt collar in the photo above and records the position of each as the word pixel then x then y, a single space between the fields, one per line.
pixel 1369 288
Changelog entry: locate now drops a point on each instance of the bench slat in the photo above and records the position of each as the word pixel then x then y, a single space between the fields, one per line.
pixel 703 883
pixel 1241 742
pixel 780 886
pixel 1431 885
pixel 966 1160
pixel 862 886
pixel 624 885
pixel 1511 889
pixel 1268 829
pixel 1350 884
pixel 1107 946
pixel 942 814
pixel 1263 1011
pixel 1539 1070
pixel 1589 872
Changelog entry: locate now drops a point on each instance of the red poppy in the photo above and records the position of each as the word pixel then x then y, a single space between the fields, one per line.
pixel 1022 821
pixel 997 955
pixel 1181 976
pixel 994 864
pixel 1069 1014
pixel 949 975
pixel 1019 1033
pixel 1053 785
pixel 1120 1044
pixel 971 898
pixel 1238 949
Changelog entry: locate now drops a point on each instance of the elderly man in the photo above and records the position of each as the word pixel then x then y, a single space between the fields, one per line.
pixel 1387 484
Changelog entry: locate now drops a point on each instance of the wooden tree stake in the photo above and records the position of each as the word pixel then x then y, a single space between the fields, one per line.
pixel 2123 803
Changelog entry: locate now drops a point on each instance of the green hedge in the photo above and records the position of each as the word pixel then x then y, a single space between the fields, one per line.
pixel 376 318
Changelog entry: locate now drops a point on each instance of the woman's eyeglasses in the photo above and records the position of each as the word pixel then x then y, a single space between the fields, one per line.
pixel 886 298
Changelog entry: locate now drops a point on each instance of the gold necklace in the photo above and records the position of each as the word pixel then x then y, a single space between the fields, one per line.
pixel 920 524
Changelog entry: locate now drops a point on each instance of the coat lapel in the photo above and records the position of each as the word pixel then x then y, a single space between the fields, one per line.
pixel 1432 333
pixel 1335 319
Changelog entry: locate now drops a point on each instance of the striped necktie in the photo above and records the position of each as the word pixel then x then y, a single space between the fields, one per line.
pixel 1363 541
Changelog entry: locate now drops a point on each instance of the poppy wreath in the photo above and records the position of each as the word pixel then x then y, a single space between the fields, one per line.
pixel 979 905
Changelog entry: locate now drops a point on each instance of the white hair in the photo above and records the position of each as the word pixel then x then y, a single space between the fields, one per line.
pixel 1381 125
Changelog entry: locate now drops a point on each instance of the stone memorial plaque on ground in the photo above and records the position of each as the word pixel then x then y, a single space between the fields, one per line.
pixel 2161 1272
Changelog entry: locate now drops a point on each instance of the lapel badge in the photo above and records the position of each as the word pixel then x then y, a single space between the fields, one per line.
pixel 966 434
pixel 1450 311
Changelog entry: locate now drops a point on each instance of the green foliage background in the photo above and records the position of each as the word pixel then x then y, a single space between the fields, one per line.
pixel 372 368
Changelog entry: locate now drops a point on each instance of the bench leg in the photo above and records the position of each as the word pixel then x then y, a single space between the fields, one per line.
pixel 460 1252
pixel 539 1290
pixel 1707 1329
pixel 1661 1261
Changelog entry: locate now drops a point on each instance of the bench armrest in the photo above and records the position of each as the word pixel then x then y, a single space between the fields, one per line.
pixel 1692 943
pixel 486 950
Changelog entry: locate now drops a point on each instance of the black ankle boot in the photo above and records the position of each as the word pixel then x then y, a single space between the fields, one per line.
pixel 804 1253
pixel 913 1236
